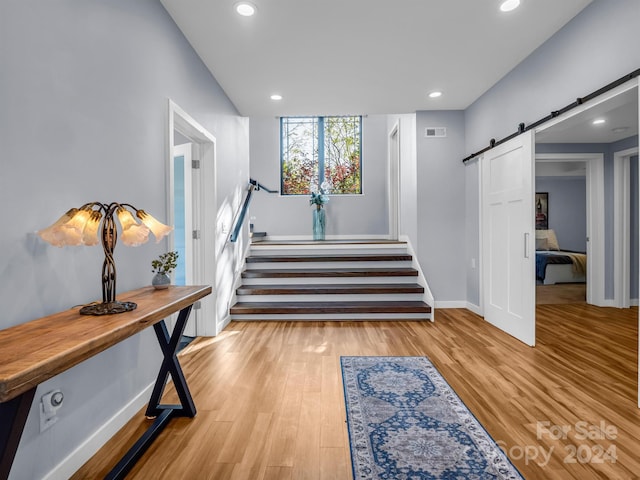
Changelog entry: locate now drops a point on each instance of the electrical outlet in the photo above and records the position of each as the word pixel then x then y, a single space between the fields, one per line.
pixel 50 403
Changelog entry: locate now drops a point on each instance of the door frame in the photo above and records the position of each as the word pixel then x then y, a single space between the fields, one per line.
pixel 622 227
pixel 394 181
pixel 595 218
pixel 205 208
pixel 595 296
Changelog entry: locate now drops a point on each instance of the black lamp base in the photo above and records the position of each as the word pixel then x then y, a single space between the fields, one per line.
pixel 108 308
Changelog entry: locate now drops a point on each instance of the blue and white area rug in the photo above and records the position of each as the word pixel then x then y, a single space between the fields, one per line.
pixel 406 423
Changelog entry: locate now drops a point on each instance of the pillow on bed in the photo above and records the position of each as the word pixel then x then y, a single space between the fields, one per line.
pixel 550 237
pixel 542 244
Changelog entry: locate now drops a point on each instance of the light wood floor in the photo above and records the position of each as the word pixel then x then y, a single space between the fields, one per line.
pixel 270 401
pixel 561 293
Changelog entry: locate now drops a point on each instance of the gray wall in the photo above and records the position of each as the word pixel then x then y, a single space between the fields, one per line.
pixel 84 92
pixel 567 210
pixel 441 204
pixel 592 50
pixel 348 215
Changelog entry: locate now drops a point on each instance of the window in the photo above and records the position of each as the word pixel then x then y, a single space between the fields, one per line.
pixel 320 151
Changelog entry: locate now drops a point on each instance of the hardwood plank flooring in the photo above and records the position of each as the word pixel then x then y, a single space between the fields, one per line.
pixel 270 401
pixel 561 293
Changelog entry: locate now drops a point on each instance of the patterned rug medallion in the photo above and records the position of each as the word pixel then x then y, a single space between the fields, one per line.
pixel 406 423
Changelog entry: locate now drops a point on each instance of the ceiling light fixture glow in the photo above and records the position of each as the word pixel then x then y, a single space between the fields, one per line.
pixel 509 5
pixel 598 121
pixel 275 96
pixel 435 94
pixel 245 9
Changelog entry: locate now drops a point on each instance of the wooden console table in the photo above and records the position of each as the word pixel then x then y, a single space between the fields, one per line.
pixel 35 351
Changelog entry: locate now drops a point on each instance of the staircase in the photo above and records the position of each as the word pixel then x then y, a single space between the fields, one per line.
pixel 331 281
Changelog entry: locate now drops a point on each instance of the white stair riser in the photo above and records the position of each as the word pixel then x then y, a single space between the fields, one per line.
pixel 323 265
pixel 328 280
pixel 330 298
pixel 257 250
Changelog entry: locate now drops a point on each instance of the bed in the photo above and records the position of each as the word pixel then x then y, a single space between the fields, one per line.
pixel 558 266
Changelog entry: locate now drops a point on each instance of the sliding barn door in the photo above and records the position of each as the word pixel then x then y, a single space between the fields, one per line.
pixel 508 241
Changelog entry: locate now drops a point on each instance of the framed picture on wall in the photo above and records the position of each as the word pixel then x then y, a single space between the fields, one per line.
pixel 542 211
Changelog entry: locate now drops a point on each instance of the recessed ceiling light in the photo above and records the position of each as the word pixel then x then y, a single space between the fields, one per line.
pixel 435 94
pixel 245 9
pixel 509 5
pixel 275 96
pixel 598 121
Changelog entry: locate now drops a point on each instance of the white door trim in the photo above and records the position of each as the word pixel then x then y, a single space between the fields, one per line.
pixel 595 218
pixel 393 156
pixel 204 251
pixel 621 227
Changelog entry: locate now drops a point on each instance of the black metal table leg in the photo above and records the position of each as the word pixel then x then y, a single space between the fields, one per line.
pixel 13 416
pixel 163 413
pixel 170 365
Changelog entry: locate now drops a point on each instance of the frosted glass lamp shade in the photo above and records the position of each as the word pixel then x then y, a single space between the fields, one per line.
pixel 90 232
pixel 125 218
pixel 135 235
pixel 75 226
pixel 54 234
pixel 160 230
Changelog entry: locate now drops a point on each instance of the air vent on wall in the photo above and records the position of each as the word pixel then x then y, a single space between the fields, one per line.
pixel 430 132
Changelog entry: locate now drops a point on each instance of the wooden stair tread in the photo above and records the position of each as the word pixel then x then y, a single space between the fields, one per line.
pixel 333 272
pixel 256 308
pixel 330 258
pixel 321 289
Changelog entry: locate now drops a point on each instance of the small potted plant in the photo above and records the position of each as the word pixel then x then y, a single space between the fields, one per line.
pixel 162 267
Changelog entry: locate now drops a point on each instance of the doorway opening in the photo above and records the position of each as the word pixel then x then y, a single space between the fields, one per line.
pixel 574 185
pixel 190 205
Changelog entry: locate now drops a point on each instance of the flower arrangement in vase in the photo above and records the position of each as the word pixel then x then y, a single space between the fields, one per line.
pixel 162 267
pixel 319 199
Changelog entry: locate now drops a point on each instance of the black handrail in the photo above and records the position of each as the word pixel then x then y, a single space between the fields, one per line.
pixel 253 185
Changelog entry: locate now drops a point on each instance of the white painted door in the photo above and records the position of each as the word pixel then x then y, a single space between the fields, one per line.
pixel 183 239
pixel 508 242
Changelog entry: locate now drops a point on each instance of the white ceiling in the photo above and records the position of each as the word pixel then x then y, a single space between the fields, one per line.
pixel 620 114
pixel 364 56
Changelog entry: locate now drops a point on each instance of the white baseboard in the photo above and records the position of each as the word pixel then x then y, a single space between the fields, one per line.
pixel 474 308
pixel 607 303
pixel 451 304
pixel 67 467
pixel 222 324
pixel 633 302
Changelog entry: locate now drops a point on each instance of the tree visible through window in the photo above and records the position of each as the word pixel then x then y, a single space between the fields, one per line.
pixel 320 152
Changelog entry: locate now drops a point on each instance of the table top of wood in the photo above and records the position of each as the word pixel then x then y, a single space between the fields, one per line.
pixel 35 351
